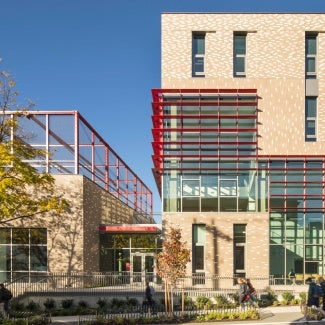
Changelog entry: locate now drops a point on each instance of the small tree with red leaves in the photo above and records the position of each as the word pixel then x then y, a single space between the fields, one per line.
pixel 171 263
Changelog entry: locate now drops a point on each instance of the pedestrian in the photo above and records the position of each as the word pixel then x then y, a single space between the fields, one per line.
pixel 315 291
pixel 322 283
pixel 292 276
pixel 244 295
pixel 5 296
pixel 149 302
pixel 252 292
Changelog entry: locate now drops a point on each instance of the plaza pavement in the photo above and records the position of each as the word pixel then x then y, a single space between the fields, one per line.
pixel 286 315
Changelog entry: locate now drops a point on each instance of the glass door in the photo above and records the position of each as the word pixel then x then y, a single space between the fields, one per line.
pixel 142 267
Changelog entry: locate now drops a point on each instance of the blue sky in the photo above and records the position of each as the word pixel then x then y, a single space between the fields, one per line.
pixel 102 58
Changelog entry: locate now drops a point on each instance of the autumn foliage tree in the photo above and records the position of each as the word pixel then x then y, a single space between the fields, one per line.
pixel 171 262
pixel 24 191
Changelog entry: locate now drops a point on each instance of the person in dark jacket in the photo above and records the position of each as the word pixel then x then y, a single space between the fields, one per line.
pixel 5 296
pixel 315 291
pixel 149 302
pixel 322 284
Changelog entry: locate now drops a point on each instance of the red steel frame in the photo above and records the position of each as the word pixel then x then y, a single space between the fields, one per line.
pixel 161 98
pixel 158 130
pixel 125 185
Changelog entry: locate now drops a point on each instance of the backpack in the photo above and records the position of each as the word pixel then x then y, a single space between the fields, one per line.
pixel 317 291
pixel 6 294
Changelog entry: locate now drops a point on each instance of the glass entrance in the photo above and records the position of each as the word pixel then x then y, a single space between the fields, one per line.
pixel 142 267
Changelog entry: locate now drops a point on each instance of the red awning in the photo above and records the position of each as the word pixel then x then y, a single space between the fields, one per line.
pixel 138 228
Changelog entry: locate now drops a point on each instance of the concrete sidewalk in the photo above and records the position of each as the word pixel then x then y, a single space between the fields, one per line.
pixel 287 315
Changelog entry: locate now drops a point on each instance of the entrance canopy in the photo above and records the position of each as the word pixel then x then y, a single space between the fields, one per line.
pixel 135 228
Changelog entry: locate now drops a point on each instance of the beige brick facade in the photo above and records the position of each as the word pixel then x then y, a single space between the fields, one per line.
pixel 275 61
pixel 275 67
pixel 73 236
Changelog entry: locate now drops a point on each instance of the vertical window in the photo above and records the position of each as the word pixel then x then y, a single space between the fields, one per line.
pixel 198 248
pixel 311 55
pixel 198 53
pixel 239 54
pixel 239 249
pixel 310 118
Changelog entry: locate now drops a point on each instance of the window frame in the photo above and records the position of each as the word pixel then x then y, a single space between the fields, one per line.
pixel 309 118
pixel 198 56
pixel 239 74
pixel 311 74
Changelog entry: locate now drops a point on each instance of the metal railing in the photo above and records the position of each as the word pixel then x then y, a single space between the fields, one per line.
pixel 117 283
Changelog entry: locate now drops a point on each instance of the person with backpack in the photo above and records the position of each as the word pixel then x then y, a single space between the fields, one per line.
pixel 315 291
pixel 252 292
pixel 5 297
pixel 322 283
pixel 244 294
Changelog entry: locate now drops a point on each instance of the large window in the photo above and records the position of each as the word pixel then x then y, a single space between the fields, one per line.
pixel 23 252
pixel 311 55
pixel 198 53
pixel 310 118
pixel 240 54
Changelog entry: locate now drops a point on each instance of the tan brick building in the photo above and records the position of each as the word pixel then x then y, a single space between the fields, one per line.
pixel 109 207
pixel 238 140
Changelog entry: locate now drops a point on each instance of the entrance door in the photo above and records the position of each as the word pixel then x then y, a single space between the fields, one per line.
pixel 142 267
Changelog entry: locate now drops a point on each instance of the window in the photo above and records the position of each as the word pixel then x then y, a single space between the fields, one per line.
pixel 311 55
pixel 239 249
pixel 198 53
pixel 23 251
pixel 310 118
pixel 239 54
pixel 198 248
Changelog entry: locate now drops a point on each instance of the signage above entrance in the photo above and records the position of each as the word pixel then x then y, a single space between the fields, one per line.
pixel 138 228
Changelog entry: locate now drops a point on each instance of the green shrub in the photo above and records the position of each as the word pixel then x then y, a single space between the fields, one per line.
pixel 287 297
pixel 303 296
pixel 67 303
pixel 221 301
pixel 82 304
pixel 202 302
pixel 33 306
pixel 49 303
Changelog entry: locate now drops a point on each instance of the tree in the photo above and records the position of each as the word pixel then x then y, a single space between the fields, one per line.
pixel 171 263
pixel 24 191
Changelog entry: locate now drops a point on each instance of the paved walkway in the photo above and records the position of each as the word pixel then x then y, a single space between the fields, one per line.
pixel 287 315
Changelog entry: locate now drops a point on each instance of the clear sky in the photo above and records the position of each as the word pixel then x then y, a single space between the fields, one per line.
pixel 102 58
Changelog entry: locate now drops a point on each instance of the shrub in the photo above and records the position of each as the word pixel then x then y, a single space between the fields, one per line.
pixel 132 302
pixel 33 306
pixel 287 297
pixel 49 303
pixel 82 304
pixel 67 303
pixel 102 303
pixel 17 305
pixel 221 301
pixel 303 296
pixel 202 302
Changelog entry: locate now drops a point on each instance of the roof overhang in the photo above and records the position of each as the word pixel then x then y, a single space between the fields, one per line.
pixel 127 228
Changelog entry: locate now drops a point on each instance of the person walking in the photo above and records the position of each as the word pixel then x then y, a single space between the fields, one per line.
pixel 149 302
pixel 252 292
pixel 244 296
pixel 322 284
pixel 5 296
pixel 315 291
